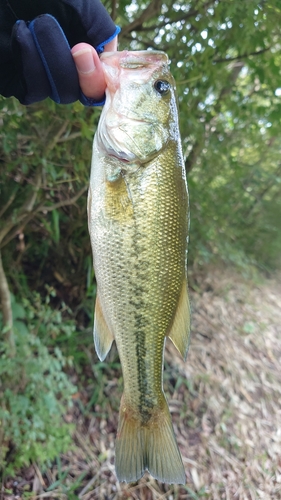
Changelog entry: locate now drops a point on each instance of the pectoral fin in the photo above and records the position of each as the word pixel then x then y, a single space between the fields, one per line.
pixel 180 330
pixel 103 337
pixel 118 203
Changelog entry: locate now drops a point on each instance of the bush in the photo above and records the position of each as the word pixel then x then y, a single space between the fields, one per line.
pixel 35 392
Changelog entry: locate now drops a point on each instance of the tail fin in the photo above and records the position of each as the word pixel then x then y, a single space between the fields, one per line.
pixel 151 446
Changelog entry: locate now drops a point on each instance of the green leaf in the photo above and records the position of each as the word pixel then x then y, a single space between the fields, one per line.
pixel 56 226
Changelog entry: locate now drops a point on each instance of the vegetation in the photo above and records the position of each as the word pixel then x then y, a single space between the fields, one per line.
pixel 35 391
pixel 225 56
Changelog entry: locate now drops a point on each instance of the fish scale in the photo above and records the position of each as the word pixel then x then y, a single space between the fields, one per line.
pixel 138 222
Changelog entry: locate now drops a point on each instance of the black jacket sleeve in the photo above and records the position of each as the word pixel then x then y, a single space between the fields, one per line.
pixel 35 41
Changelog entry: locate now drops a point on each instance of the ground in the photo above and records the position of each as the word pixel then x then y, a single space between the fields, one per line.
pixel 225 402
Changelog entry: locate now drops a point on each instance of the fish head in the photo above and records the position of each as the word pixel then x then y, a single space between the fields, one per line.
pixel 140 112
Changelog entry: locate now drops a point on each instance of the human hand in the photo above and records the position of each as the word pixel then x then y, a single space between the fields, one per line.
pixel 89 68
pixel 35 42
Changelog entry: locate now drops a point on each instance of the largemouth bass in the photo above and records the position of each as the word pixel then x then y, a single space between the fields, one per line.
pixel 138 222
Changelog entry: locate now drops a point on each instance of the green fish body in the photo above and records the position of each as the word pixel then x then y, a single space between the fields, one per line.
pixel 138 223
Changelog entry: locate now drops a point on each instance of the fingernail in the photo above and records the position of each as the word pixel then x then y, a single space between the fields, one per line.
pixel 84 61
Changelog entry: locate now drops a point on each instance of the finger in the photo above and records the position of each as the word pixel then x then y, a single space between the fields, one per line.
pixel 112 45
pixel 90 72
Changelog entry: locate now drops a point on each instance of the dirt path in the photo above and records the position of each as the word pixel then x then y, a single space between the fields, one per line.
pixel 225 402
pixel 234 366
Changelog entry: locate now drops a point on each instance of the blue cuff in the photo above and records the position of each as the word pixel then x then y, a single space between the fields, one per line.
pixel 88 101
pixel 100 47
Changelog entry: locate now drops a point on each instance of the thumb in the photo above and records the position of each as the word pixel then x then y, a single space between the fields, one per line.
pixel 90 72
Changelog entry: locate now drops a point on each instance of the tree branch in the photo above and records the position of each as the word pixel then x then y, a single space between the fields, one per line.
pixel 9 202
pixel 64 203
pixel 14 220
pixel 56 138
pixel 242 56
pixel 151 10
pixel 5 299
pixel 114 5
pixel 13 231
pixel 259 197
pixel 40 208
pixel 199 144
pixel 154 9
pixel 235 72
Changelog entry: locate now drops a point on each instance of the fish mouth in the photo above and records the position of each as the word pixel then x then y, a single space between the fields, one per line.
pixel 136 59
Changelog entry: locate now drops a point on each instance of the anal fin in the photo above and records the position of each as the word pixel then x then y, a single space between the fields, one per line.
pixel 103 337
pixel 180 330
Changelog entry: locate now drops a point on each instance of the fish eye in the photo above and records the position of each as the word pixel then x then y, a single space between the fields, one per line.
pixel 162 87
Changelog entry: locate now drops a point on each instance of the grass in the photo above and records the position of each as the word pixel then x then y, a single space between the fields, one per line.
pixel 225 403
